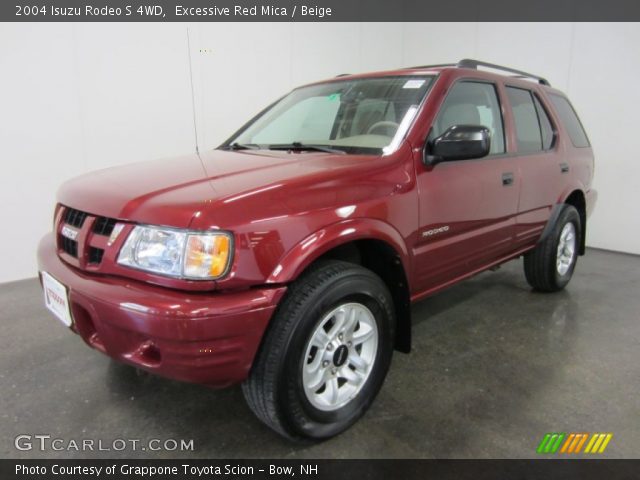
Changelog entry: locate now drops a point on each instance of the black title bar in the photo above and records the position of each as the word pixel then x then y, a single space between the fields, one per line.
pixel 317 10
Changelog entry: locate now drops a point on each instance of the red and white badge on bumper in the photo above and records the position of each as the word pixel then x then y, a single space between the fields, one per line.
pixel 56 298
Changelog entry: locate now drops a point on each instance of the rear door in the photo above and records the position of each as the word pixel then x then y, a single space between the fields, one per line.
pixel 467 207
pixel 539 162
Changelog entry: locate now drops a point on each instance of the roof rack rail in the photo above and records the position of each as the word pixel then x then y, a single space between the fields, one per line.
pixel 474 64
pixel 342 75
pixel 438 65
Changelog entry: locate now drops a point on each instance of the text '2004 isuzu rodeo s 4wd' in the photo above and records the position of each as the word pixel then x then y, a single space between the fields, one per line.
pixel 287 258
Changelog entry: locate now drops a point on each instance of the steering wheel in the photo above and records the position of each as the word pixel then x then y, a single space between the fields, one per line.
pixel 383 124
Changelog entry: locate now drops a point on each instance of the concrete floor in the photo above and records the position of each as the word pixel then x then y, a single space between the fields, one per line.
pixel 494 367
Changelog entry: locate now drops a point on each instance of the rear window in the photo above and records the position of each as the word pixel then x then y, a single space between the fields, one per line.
pixel 570 121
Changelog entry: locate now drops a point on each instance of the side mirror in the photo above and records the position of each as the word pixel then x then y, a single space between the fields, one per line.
pixel 459 142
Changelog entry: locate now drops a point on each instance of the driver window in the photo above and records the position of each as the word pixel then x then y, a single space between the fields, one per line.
pixel 472 103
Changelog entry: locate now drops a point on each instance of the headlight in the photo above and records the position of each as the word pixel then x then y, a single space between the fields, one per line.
pixel 177 253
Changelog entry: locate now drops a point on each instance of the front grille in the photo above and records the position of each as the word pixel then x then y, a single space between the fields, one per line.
pixel 91 250
pixel 68 246
pixel 73 217
pixel 104 226
pixel 95 255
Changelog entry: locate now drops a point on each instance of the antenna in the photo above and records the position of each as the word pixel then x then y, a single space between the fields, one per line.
pixel 193 95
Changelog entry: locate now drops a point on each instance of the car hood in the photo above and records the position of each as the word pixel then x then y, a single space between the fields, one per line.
pixel 176 191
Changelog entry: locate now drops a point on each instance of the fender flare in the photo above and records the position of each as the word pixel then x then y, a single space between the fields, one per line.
pixel 551 223
pixel 555 212
pixel 298 258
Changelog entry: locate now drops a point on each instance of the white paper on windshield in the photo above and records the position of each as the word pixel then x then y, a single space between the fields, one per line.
pixel 415 83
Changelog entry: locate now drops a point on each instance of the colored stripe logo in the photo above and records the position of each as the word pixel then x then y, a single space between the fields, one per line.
pixel 574 443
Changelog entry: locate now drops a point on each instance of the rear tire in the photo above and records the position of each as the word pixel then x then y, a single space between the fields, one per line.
pixel 550 266
pixel 326 353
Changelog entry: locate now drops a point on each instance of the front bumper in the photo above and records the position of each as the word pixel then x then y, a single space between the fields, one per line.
pixel 203 337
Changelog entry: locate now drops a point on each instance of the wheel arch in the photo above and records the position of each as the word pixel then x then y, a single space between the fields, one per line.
pixel 371 243
pixel 575 198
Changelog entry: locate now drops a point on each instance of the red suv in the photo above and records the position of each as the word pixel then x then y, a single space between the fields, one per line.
pixel 288 258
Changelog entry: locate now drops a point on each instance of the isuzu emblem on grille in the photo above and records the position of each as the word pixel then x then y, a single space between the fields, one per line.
pixel 68 232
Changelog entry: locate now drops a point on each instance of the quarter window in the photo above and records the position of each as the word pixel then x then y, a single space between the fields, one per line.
pixel 472 103
pixel 570 121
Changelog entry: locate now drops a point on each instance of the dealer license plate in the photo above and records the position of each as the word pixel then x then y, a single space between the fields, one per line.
pixel 56 298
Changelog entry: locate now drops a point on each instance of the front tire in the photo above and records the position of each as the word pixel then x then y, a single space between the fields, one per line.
pixel 326 353
pixel 550 266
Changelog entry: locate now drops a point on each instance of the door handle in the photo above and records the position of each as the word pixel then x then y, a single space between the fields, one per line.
pixel 507 179
pixel 564 167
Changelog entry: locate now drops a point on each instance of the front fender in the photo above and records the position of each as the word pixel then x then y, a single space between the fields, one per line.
pixel 297 259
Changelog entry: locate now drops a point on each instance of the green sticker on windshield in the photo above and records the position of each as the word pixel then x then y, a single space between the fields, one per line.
pixel 333 96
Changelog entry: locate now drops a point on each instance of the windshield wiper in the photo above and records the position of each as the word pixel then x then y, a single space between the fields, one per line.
pixel 242 146
pixel 305 146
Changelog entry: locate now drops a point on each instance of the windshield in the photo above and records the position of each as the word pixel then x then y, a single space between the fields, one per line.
pixel 369 115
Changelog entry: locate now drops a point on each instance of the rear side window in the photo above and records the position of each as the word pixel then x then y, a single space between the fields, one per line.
pixel 525 116
pixel 570 121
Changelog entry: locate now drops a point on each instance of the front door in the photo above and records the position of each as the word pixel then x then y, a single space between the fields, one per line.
pixel 467 207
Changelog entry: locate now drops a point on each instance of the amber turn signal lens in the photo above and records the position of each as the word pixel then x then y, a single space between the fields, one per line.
pixel 207 256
